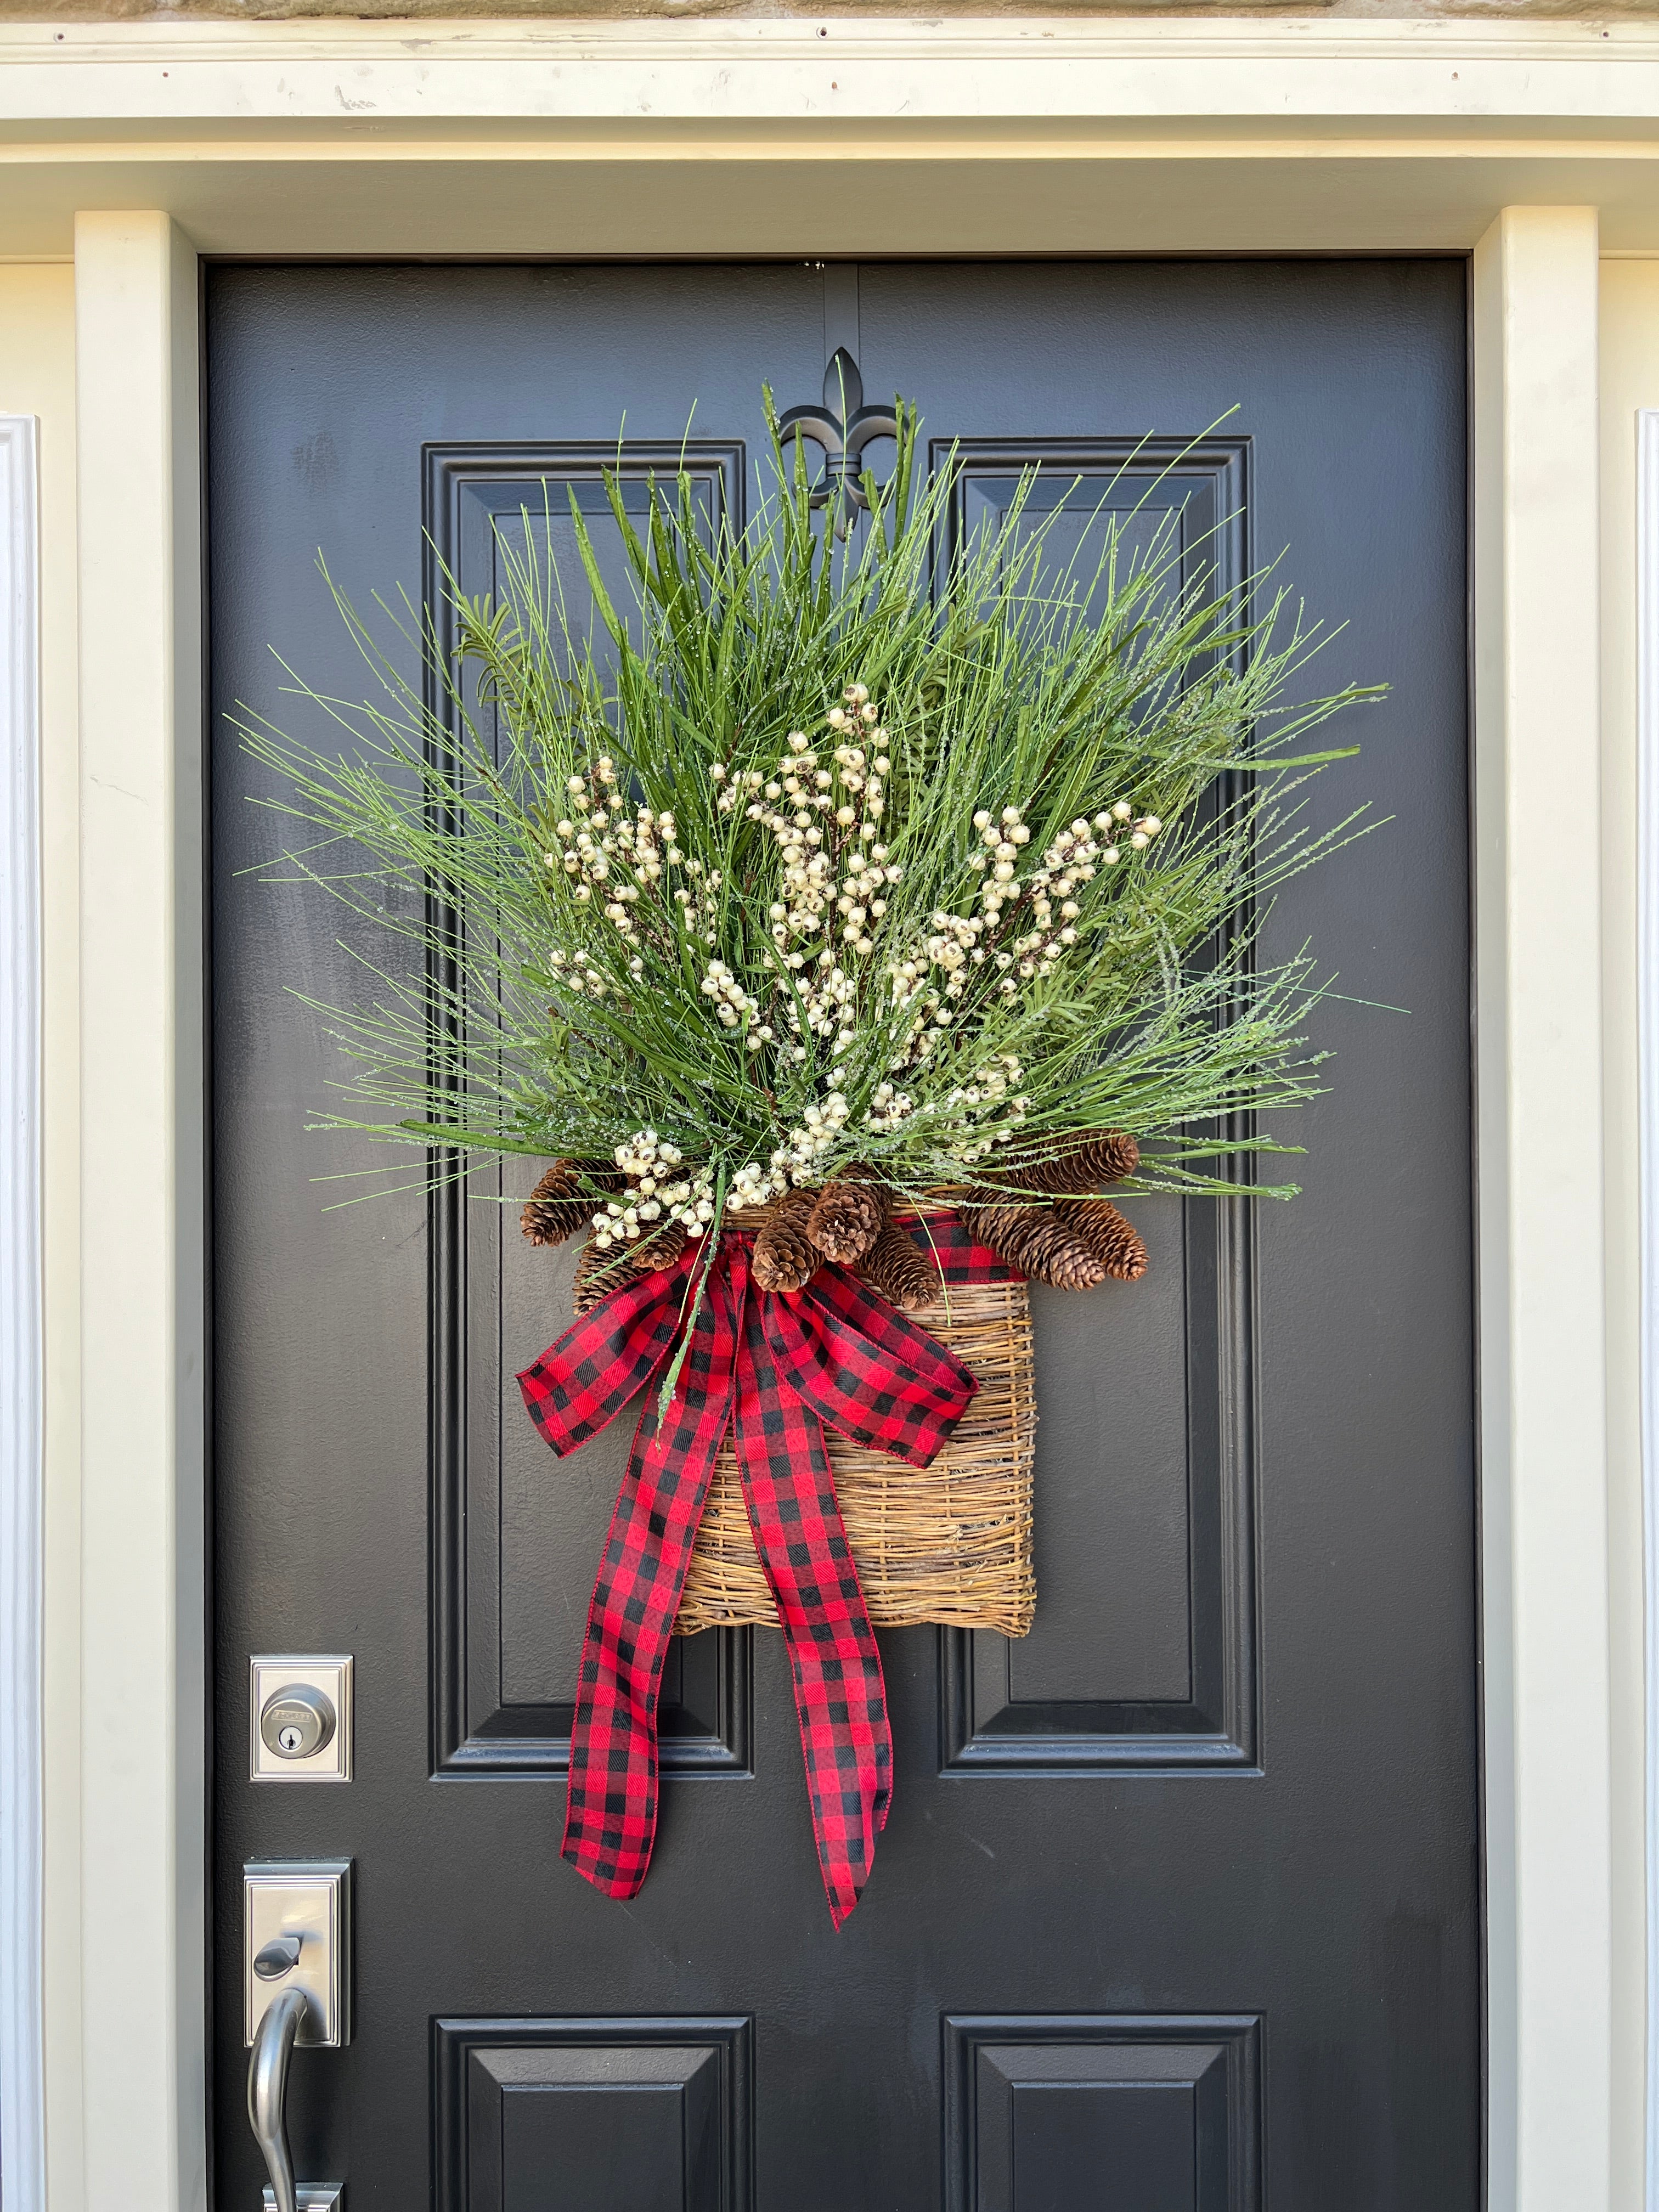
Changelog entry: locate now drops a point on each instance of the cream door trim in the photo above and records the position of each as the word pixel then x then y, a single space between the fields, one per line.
pixel 23 1388
pixel 844 135
pixel 1647 747
pixel 1542 1256
pixel 144 1569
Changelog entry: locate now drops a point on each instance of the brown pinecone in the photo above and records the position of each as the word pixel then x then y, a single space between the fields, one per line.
pixel 1001 1223
pixel 1079 1163
pixel 785 1256
pixel 598 1273
pixel 1115 1241
pixel 897 1269
pixel 1034 1239
pixel 556 1209
pixel 846 1220
pixel 658 1248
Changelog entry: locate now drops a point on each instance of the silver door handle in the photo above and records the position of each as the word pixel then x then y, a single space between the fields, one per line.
pixel 267 2091
pixel 296 1987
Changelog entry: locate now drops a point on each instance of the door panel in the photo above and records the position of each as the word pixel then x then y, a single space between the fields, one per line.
pixel 1039 2111
pixel 652 2114
pixel 1177 1904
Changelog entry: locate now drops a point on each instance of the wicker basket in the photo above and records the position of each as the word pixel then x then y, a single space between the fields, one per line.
pixel 950 1543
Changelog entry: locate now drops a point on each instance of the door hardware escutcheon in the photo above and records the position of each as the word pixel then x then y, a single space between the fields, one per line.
pixel 300 1717
pixel 296 1933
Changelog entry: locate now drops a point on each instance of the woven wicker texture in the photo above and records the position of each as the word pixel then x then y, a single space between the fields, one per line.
pixel 950 1543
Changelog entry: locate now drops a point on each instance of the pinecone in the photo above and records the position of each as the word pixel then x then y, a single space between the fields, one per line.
pixel 1001 1223
pixel 658 1248
pixel 898 1270
pixel 1034 1239
pixel 785 1257
pixel 1079 1163
pixel 598 1273
pixel 556 1209
pixel 1115 1241
pixel 846 1220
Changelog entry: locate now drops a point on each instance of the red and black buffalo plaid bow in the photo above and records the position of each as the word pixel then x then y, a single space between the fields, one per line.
pixel 775 1368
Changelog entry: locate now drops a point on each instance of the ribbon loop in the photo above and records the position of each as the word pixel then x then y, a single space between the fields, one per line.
pixel 874 1375
pixel 580 1384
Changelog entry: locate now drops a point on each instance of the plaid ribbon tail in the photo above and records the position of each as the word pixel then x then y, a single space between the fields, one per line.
pixel 611 1817
pixel 841 1697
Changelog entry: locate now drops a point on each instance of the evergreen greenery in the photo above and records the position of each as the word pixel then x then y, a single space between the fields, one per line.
pixel 666 885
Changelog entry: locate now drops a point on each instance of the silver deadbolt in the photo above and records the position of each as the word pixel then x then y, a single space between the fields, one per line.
pixel 299 1716
pixel 297 1721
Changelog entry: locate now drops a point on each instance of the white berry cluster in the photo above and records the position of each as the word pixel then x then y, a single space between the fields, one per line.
pixel 888 1106
pixel 998 857
pixel 732 1002
pixel 825 1008
pixel 993 1089
pixel 1069 864
pixel 616 858
pixel 797 1158
pixel 587 845
pixel 579 973
pixel 657 1192
pixel 732 790
pixel 642 845
pixel 834 871
pixel 928 980
pixel 753 1185
pixel 953 947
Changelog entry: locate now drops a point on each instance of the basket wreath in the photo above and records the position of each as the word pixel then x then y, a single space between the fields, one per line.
pixel 832 924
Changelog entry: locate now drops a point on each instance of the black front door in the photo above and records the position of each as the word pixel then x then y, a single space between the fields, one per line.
pixel 1178 1908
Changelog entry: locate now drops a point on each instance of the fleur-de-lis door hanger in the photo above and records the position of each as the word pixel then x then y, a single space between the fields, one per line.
pixel 843 426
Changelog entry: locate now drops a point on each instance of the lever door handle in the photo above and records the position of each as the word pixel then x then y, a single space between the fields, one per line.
pixel 267 2091
pixel 296 1987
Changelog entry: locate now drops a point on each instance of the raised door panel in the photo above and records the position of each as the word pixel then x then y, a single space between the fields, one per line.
pixel 1143 1652
pixel 611 2115
pixel 1135 2114
pixel 513 1546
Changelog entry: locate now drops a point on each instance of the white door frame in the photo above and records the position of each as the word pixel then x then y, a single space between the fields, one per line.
pixel 1003 137
pixel 23 1383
